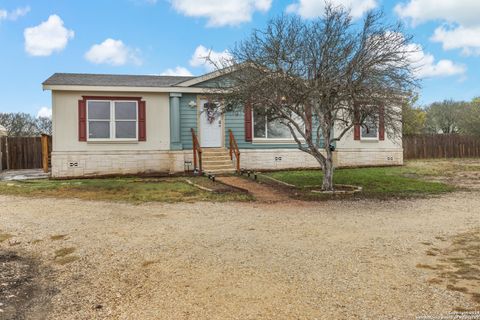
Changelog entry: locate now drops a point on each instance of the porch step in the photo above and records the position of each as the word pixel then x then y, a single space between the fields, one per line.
pixel 216 158
pixel 217 161
pixel 216 154
pixel 219 171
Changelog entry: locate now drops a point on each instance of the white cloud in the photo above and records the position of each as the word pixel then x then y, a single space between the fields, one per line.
pixel 465 38
pixel 199 58
pixel 48 37
pixel 314 8
pixel 461 28
pixel 464 12
pixel 113 52
pixel 427 67
pixel 177 71
pixel 44 112
pixel 13 15
pixel 221 13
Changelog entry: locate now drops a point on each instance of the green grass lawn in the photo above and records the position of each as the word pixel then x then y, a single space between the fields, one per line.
pixel 380 182
pixel 416 178
pixel 134 190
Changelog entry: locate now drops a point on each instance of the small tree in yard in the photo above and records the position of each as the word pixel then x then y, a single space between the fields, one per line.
pixel 320 75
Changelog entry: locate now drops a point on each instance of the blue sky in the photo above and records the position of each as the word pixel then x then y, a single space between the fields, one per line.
pixel 41 37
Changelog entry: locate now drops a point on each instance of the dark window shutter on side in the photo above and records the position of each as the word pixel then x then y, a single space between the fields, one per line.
pixel 381 123
pixel 142 126
pixel 248 122
pixel 82 120
pixel 356 126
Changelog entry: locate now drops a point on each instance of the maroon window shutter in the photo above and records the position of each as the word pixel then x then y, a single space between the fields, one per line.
pixel 142 126
pixel 248 122
pixel 381 123
pixel 356 126
pixel 82 120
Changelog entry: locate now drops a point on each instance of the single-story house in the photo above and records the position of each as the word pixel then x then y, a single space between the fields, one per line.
pixel 132 124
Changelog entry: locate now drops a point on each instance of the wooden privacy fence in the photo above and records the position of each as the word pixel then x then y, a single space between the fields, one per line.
pixel 427 146
pixel 26 152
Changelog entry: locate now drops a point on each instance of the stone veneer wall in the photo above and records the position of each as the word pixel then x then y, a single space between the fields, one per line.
pixel 273 159
pixel 84 164
pixel 369 157
pixel 291 158
pixel 95 163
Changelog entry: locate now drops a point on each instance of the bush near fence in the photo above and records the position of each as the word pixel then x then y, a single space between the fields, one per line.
pixel 431 146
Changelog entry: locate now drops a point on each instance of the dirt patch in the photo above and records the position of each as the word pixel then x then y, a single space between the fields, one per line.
pixel 21 294
pixel 465 179
pixel 457 264
pixel 58 237
pixel 261 192
pixel 4 236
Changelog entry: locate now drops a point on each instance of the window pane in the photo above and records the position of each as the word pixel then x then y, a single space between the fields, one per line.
pixel 258 124
pixel 99 129
pixel 369 128
pixel 126 129
pixel 125 110
pixel 99 110
pixel 277 130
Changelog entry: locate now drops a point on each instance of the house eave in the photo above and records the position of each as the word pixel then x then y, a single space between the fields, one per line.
pixel 206 77
pixel 178 89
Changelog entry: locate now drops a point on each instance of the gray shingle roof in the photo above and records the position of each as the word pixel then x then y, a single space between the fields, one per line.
pixel 113 80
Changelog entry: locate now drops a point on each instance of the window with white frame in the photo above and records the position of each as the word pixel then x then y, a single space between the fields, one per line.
pixel 266 127
pixel 112 120
pixel 370 128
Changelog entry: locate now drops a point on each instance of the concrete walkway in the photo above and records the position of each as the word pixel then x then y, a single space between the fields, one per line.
pixel 261 192
pixel 26 174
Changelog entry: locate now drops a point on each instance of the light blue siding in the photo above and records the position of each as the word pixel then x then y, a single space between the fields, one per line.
pixel 233 120
pixel 188 119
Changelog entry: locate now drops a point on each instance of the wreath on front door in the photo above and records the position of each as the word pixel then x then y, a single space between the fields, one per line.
pixel 211 111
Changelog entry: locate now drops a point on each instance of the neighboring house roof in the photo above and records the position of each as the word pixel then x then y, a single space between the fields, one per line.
pixel 113 80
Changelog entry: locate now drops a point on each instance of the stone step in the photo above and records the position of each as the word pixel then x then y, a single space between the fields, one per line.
pixel 223 159
pixel 209 150
pixel 216 154
pixel 217 162
pixel 219 171
pixel 218 166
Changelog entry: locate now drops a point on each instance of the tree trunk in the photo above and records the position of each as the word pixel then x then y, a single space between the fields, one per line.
pixel 327 184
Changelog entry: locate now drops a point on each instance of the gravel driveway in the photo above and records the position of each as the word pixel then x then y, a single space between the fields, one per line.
pixel 329 260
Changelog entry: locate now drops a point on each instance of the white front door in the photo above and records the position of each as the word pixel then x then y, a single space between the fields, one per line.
pixel 210 127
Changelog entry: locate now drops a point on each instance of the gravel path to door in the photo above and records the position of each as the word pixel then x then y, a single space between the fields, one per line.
pixel 329 260
pixel 261 192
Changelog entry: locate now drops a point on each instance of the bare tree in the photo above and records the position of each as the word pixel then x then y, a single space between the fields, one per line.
pixel 43 125
pixel 24 124
pixel 320 78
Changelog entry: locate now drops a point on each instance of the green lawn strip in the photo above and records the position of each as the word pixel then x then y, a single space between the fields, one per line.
pixel 134 190
pixel 377 182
